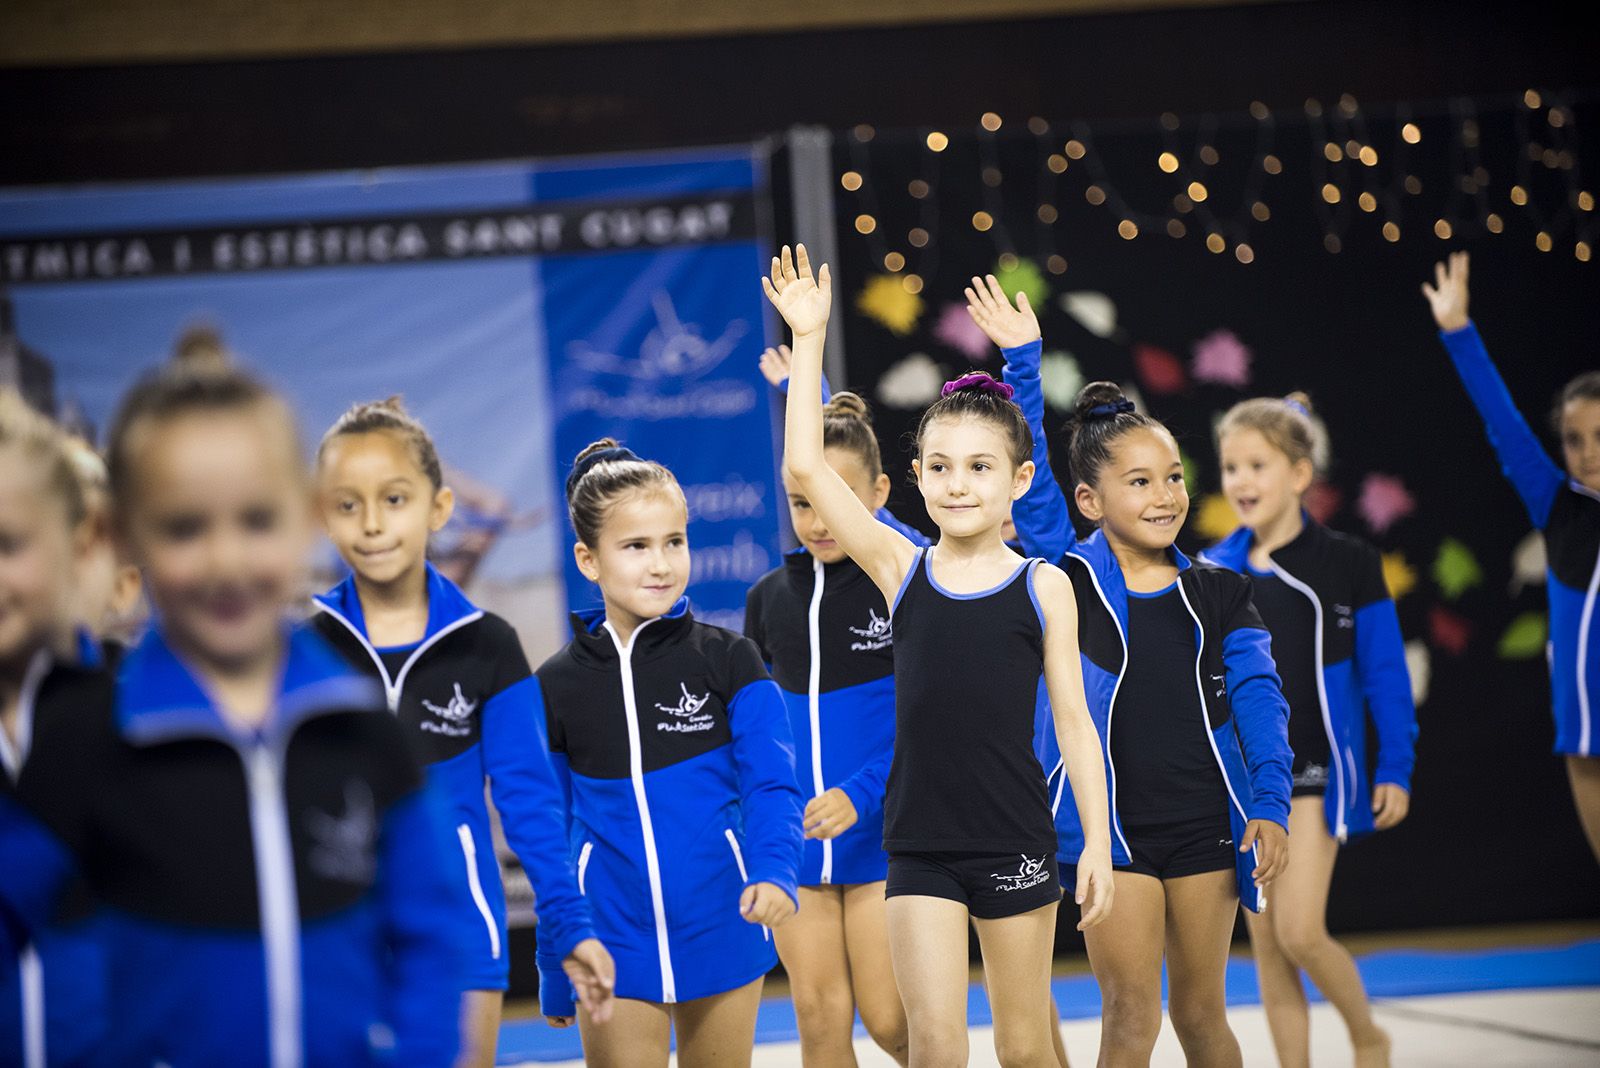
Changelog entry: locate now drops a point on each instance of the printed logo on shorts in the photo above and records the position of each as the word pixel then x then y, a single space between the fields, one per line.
pixel 877 634
pixel 344 848
pixel 688 715
pixel 1312 775
pixel 1030 873
pixel 450 718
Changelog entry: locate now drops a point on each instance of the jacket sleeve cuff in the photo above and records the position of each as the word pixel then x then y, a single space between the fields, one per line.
pixel 1024 356
pixel 556 996
pixel 1400 777
pixel 783 880
pixel 1274 811
pixel 866 805
pixel 564 938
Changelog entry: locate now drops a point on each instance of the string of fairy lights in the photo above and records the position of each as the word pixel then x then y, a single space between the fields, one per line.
pixel 1355 181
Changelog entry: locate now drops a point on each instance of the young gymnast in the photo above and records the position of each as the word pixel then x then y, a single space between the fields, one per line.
pixel 824 628
pixel 51 986
pixel 458 681
pixel 1337 646
pixel 967 825
pixel 1180 679
pixel 1564 503
pixel 269 869
pixel 674 747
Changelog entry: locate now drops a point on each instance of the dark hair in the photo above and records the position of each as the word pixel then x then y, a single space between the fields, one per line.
pixel 1288 424
pixel 1585 387
pixel 602 473
pixel 981 396
pixel 28 430
pixel 372 417
pixel 175 390
pixel 1101 415
pixel 847 424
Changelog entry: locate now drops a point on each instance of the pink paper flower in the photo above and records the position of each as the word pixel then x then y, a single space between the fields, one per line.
pixel 957 329
pixel 1222 358
pixel 1384 501
pixel 1159 370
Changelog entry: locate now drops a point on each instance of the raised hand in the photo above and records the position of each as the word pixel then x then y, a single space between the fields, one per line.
pixel 1006 326
pixel 802 300
pixel 1448 295
pixel 775 366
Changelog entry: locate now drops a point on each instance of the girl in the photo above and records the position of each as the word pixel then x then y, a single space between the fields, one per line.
pixel 967 825
pixel 678 765
pixel 50 987
pixel 109 593
pixel 1337 646
pixel 1565 505
pixel 824 628
pixel 458 681
pixel 1199 761
pixel 255 830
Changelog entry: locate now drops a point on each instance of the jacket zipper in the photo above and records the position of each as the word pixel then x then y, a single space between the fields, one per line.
pixel 392 688
pixel 280 910
pixel 1582 658
pixel 469 849
pixel 583 866
pixel 669 992
pixel 1111 707
pixel 744 876
pixel 814 701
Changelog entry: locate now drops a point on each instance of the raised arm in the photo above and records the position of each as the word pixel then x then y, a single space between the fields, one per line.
pixel 803 301
pixel 1533 474
pixel 775 369
pixel 1043 521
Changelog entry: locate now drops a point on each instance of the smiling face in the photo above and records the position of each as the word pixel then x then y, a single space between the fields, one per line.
pixel 1260 480
pixel 809 528
pixel 1140 499
pixel 640 558
pixel 37 557
pixel 378 505
pixel 217 516
pixel 1580 440
pixel 966 475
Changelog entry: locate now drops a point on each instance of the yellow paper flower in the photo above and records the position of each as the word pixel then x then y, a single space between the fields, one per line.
pixel 1398 575
pixel 886 301
pixel 1215 519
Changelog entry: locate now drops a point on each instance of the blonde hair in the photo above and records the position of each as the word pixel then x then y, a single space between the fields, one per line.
pixel 847 424
pixel 41 440
pixel 1288 423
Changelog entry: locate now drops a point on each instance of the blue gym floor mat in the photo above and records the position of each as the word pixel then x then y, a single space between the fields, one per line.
pixel 1389 974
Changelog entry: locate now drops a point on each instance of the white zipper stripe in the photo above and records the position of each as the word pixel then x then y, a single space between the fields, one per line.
pixel 392 688
pixel 280 909
pixel 13 757
pixel 814 700
pixel 1582 658
pixel 1111 766
pixel 1338 756
pixel 31 973
pixel 583 866
pixel 669 990
pixel 469 849
pixel 744 876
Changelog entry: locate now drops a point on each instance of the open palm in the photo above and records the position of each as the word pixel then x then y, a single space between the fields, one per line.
pixel 1447 297
pixel 1006 326
pixel 803 301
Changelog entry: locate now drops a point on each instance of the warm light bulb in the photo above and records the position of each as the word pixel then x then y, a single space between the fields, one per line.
pixel 918 188
pixel 1057 162
pixel 1095 195
pixel 1330 193
pixel 1075 149
pixel 1208 155
pixel 1368 202
pixel 1176 228
pixel 1260 212
pixel 864 133
pixel 1519 196
pixel 1585 200
pixel 912 282
pixel 1056 264
pixel 991 176
pixel 1128 229
pixel 1411 133
pixel 1494 223
pixel 1048 214
pixel 1543 242
pixel 982 220
pixel 1197 192
pixel 1167 162
pixel 1581 250
pixel 1215 243
pixel 991 121
pixel 937 142
pixel 1244 253
pixel 1331 242
pixel 850 180
pixel 1391 231
pixel 1271 164
pixel 1532 99
pixel 865 224
pixel 1333 152
pixel 1442 229
pixel 894 261
pixel 1369 155
pixel 918 237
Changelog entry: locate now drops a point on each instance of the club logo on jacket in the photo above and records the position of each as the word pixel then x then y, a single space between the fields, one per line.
pixel 1030 873
pixel 688 715
pixel 877 634
pixel 1344 616
pixel 1222 684
pixel 451 716
pixel 344 848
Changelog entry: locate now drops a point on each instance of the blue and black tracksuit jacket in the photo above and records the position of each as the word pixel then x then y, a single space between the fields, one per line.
pixel 1568 513
pixel 271 897
pixel 678 765
pixel 1361 661
pixel 468 703
pixel 1238 699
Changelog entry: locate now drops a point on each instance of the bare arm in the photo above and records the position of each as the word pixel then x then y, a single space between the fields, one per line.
pixel 803 301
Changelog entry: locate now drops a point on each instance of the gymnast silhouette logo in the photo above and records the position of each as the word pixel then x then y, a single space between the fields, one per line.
pixel 877 634
pixel 1345 618
pixel 689 714
pixel 453 714
pixel 1029 873
pixel 343 848
pixel 672 349
pixel 1221 681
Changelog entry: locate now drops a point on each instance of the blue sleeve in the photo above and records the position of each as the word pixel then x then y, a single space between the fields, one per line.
pixel 913 535
pixel 556 995
pixel 866 787
pixel 827 391
pixel 1386 684
pixel 37 869
pixel 763 750
pixel 423 929
pixel 1261 718
pixel 533 811
pixel 1042 518
pixel 1536 478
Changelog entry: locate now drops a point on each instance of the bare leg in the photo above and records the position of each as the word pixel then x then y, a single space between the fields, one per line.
pixel 1299 920
pixel 1584 774
pixel 636 1036
pixel 1057 1043
pixel 1282 995
pixel 1016 964
pixel 812 947
pixel 480 1028
pixel 1200 911
pixel 866 939
pixel 718 1031
pixel 1125 953
pixel 928 944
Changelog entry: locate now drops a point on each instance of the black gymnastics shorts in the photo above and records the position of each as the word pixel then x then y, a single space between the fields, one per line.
pixel 991 885
pixel 1172 850
pixel 1309 779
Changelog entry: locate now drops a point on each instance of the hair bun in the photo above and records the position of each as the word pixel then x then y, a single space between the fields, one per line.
pixel 594 447
pixel 847 405
pixel 1300 401
pixel 1100 400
